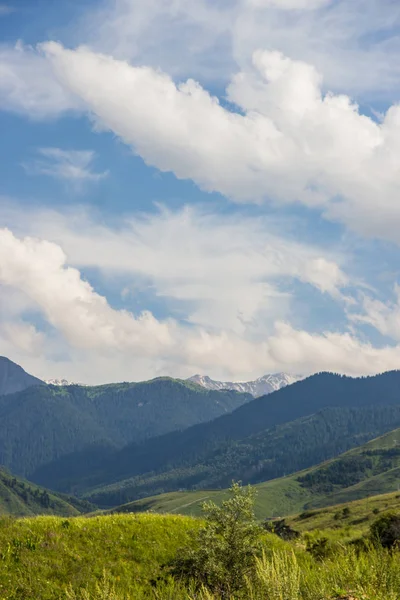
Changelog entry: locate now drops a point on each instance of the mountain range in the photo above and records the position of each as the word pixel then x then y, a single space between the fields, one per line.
pixel 43 423
pixel 117 443
pixel 259 387
pixel 294 428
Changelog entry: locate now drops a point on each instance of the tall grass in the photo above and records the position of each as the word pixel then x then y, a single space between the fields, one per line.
pixel 286 575
pixel 126 558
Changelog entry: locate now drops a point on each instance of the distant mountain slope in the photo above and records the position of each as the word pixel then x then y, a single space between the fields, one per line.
pixel 196 445
pixel 13 378
pixel 259 387
pixel 281 450
pixel 43 423
pixel 21 498
pixel 366 471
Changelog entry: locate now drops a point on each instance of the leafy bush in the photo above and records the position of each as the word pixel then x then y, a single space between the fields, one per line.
pixel 386 530
pixel 224 550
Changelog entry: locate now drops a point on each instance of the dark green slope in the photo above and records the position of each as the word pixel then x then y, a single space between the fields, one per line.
pixel 273 453
pixel 43 423
pixel 21 498
pixel 367 471
pixel 13 378
pixel 198 445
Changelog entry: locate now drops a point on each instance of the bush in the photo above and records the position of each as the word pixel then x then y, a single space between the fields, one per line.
pixel 224 550
pixel 386 530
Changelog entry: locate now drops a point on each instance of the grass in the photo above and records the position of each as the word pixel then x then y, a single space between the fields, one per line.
pixel 360 515
pixel 22 498
pixel 122 557
pixel 41 557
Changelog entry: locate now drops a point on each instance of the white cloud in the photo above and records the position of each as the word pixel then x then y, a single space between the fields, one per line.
pixel 130 347
pixel 289 4
pixel 291 144
pixel 28 86
pixel 296 351
pixel 215 271
pixel 207 40
pixel 382 316
pixel 74 166
pixel 37 268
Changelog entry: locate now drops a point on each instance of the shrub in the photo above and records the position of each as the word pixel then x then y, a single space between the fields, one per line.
pixel 224 550
pixel 386 530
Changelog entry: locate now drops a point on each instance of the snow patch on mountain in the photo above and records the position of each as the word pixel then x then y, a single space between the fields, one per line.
pixel 61 382
pixel 259 387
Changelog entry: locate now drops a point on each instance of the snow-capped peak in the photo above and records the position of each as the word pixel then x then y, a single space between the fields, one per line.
pixel 61 382
pixel 259 387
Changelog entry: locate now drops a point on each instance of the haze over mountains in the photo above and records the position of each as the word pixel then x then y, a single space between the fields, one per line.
pixel 259 387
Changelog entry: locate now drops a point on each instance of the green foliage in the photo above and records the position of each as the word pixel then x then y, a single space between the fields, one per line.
pixel 281 529
pixel 125 557
pixel 224 551
pixel 386 530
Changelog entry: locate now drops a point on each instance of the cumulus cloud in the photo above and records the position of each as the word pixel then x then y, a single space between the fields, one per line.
pixel 292 144
pixel 207 40
pixel 28 86
pixel 217 271
pixel 38 269
pixel 74 166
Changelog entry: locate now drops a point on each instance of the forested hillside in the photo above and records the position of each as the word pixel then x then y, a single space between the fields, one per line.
pixel 282 450
pixel 252 443
pixel 366 471
pixel 43 423
pixel 22 498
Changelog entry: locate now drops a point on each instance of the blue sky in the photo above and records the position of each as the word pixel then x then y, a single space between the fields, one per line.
pixel 195 186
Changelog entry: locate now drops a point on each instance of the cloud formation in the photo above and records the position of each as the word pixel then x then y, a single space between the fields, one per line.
pixel 224 276
pixel 37 268
pixel 28 86
pixel 74 166
pixel 290 144
pixel 216 271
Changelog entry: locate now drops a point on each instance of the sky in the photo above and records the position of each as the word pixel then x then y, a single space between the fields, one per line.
pixel 199 186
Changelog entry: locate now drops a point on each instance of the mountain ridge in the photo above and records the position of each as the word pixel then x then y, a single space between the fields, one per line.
pixel 259 387
pixel 14 378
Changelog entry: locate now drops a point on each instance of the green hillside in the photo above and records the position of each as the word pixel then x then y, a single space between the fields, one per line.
pixel 128 557
pixel 44 423
pixel 278 451
pixel 355 517
pixel 22 498
pixel 370 469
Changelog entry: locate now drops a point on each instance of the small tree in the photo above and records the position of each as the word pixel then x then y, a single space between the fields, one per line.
pixel 224 549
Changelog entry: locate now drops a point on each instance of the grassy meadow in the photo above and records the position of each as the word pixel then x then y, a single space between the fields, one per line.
pixel 125 557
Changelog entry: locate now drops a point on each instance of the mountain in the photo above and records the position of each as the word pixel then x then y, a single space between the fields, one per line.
pixel 367 471
pixel 21 498
pixel 259 387
pixel 294 428
pixel 43 423
pixel 13 378
pixel 276 452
